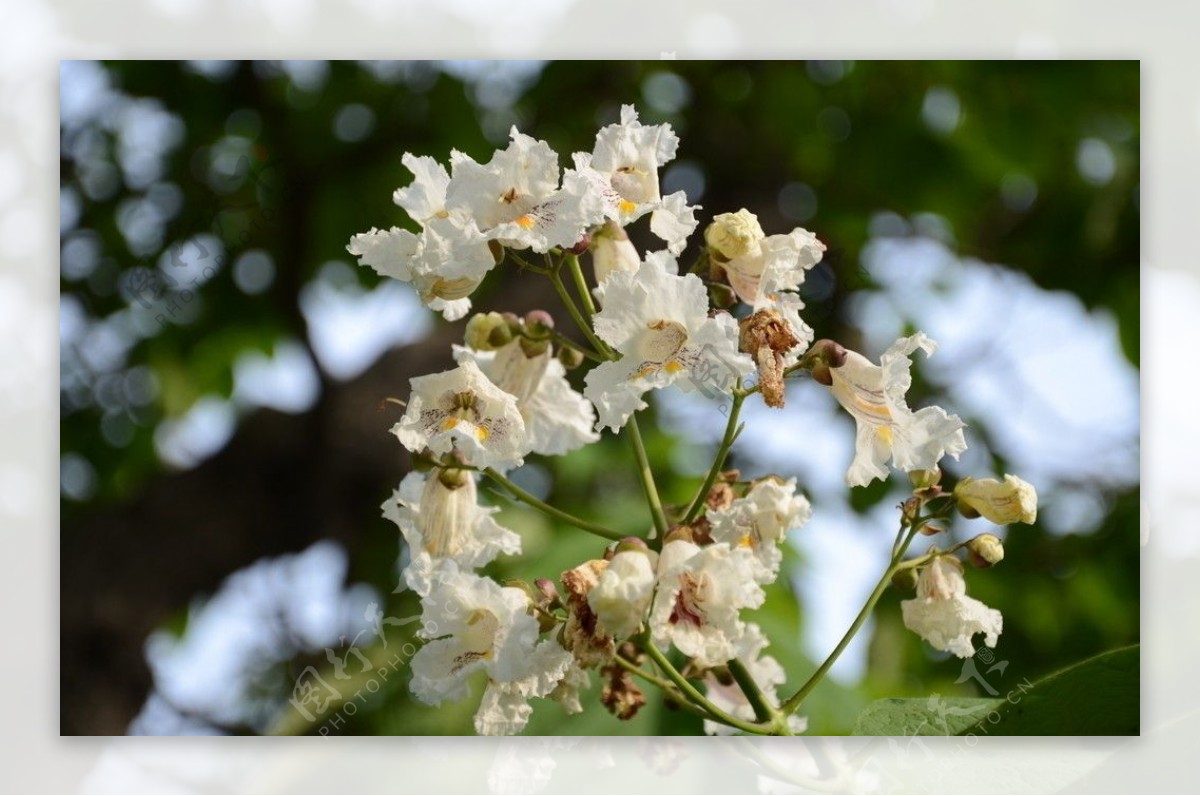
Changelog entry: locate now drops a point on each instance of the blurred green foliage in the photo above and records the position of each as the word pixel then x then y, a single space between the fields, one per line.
pixel 968 141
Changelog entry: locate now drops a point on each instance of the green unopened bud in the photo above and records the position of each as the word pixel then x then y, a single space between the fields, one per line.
pixel 539 322
pixel 984 550
pixel 680 533
pixel 533 348
pixel 1012 500
pixel 923 479
pixel 487 332
pixel 453 478
pixel 905 579
pixel 631 544
pixel 570 357
pixel 722 296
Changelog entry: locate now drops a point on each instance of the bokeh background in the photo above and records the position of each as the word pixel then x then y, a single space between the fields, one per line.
pixel 224 444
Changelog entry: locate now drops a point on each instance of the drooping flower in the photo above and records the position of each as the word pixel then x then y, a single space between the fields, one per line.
pixel 766 673
pixel 944 615
pixel 874 395
pixel 760 521
pixel 778 262
pixel 700 594
pixel 445 263
pixel 472 624
pixel 1012 500
pixel 612 251
pixel 621 597
pixel 441 521
pixel 659 323
pixel 582 634
pixel 557 419
pixel 461 409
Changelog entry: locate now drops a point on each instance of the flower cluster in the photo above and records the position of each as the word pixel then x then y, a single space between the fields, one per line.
pixel 728 325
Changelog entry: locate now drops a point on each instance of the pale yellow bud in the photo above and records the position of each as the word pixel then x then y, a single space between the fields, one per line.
pixel 733 235
pixel 1012 500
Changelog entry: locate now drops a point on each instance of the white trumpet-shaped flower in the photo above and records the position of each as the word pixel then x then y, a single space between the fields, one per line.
pixel 874 395
pixel 622 595
pixel 659 324
pixel 461 409
pixel 700 594
pixel 1002 502
pixel 441 522
pixel 472 624
pixel 760 521
pixel 767 675
pixel 944 615
pixel 557 418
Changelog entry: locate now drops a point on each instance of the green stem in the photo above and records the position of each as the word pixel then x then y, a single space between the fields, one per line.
pixel 581 285
pixel 731 432
pixel 667 687
pixel 794 701
pixel 647 477
pixel 695 696
pixel 580 321
pixel 523 496
pixel 567 342
pixel 764 711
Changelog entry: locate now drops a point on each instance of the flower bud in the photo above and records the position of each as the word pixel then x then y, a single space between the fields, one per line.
pixel 905 579
pixel 923 479
pixel 539 322
pixel 582 245
pixel 985 550
pixel 733 235
pixel 453 478
pixel 680 533
pixel 931 529
pixel 533 348
pixel 487 332
pixel 1012 500
pixel 631 544
pixel 612 251
pixel 548 590
pixel 570 358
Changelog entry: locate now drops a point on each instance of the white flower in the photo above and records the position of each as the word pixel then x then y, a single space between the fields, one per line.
pixel 629 155
pixel 944 615
pixel 472 624
pixel 425 197
pixel 440 523
pixel 515 198
pixel 875 396
pixel 700 594
pixel 557 419
pixel 462 409
pixel 621 597
pixel 1012 500
pixel 659 323
pixel 760 521
pixel 568 691
pixel 622 170
pixel 778 262
pixel 767 675
pixel 445 263
pixel 612 251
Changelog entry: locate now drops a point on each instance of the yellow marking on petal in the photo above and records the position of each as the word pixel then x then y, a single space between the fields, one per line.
pixel 872 408
pixel 746 541
pixel 449 423
pixel 481 433
pixel 626 206
pixel 674 366
pixel 526 221
pixel 885 433
pixel 644 372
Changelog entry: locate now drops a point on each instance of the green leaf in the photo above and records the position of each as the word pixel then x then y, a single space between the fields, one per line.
pixel 1099 696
